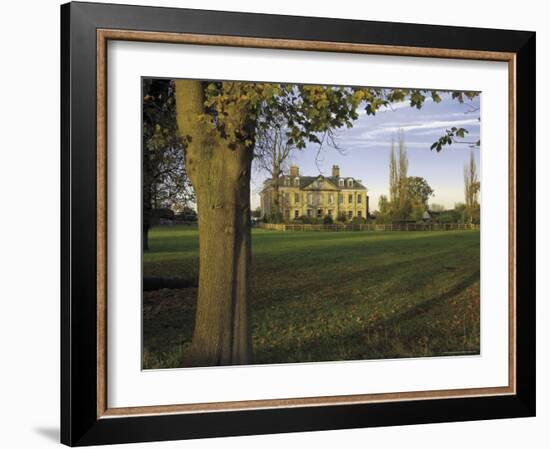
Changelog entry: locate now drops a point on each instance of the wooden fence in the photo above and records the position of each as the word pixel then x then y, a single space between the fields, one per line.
pixel 369 227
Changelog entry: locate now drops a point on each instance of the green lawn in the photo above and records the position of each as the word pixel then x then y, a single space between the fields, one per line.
pixel 320 296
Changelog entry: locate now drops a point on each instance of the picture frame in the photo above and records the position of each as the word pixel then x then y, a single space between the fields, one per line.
pixel 86 28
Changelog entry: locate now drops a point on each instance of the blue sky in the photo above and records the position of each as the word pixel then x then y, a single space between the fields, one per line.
pixel 365 149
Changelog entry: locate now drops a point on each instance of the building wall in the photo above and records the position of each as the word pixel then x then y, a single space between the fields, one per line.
pixel 357 207
pixel 296 202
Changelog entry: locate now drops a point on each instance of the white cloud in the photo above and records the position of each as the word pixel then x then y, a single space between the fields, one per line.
pixel 391 128
pixel 362 143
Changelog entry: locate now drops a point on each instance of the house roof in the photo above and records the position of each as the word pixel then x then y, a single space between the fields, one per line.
pixel 307 180
pixel 356 184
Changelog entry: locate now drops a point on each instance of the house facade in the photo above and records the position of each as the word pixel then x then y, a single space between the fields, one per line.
pixel 316 196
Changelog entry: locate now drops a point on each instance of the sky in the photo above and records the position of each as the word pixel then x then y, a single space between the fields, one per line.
pixel 365 149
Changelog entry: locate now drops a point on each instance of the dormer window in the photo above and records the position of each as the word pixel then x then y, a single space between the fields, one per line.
pixel 296 181
pixel 350 182
pixel 287 181
pixel 341 182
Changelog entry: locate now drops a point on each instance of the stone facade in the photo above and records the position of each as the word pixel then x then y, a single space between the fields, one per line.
pixel 316 196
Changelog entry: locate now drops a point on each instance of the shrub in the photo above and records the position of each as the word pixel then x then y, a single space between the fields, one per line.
pixel 187 215
pixel 276 217
pixel 162 213
pixel 446 218
pixel 305 219
pixel 342 217
pixel 383 219
pixel 328 220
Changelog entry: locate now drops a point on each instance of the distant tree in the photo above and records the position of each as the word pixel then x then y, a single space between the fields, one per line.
pixel 165 183
pixel 162 212
pixel 400 201
pixel 257 213
pixel 417 210
pixel 461 212
pixel 419 190
pixel 188 214
pixel 447 217
pixel 434 207
pixel 471 189
pixel 383 215
pixel 394 178
pixel 456 215
pixel 404 197
pixel 271 151
pixel 383 205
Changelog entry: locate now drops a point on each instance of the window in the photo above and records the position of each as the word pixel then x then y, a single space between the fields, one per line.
pixel 341 198
pixel 296 213
pixel 310 198
pixel 331 198
pixel 319 212
pixel 296 197
pixel 309 212
pixel 359 213
pixel 350 182
pixel 359 198
pixel 350 214
pixel 287 198
pixel 287 214
pixel 296 181
pixel 341 182
pixel 287 181
pixel 330 212
pixel 350 198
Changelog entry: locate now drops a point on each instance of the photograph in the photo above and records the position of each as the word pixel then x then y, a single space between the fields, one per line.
pixel 295 223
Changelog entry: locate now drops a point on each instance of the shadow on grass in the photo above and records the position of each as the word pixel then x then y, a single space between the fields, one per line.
pixel 387 279
pixel 405 335
pixel 426 306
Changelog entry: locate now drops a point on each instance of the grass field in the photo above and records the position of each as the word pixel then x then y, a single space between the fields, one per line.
pixel 320 296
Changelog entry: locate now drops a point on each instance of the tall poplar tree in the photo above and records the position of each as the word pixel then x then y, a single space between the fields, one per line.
pixel 404 204
pixel 394 178
pixel 471 188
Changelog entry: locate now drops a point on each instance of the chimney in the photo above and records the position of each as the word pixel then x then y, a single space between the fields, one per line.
pixel 336 171
pixel 294 171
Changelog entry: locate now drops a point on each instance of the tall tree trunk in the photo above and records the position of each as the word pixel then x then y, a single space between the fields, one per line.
pixel 221 178
pixel 275 174
pixel 147 209
pixel 145 236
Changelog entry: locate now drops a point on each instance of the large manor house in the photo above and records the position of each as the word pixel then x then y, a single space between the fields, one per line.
pixel 316 196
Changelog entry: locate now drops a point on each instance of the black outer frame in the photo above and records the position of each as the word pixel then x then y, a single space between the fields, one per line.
pixel 79 423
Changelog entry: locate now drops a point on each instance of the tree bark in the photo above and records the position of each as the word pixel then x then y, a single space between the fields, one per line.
pixel 221 178
pixel 147 211
pixel 145 236
pixel 276 173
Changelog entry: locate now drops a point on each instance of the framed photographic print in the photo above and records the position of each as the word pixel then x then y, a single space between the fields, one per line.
pixel 278 224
